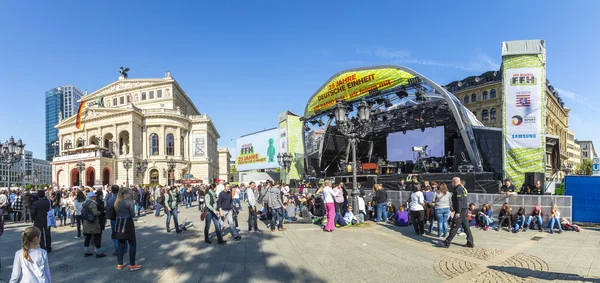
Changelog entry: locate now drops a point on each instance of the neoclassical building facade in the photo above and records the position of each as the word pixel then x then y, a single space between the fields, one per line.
pixel 150 123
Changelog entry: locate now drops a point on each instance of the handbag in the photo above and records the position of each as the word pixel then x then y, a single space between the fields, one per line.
pixel 203 215
pixel 111 213
pixel 50 218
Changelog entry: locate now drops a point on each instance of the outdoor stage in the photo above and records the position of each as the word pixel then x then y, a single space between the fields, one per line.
pixel 483 182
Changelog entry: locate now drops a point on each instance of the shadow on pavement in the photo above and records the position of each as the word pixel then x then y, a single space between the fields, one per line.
pixel 547 275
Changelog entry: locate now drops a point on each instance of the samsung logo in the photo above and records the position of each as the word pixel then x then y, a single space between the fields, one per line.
pixel 524 136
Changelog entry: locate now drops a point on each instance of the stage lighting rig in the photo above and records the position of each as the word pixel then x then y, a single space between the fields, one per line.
pixel 320 123
pixel 401 94
pixel 388 103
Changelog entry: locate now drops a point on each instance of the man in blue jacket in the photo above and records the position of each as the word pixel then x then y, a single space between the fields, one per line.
pixel 461 207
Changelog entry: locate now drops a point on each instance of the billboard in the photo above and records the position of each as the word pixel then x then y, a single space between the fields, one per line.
pixel 354 84
pixel 257 151
pixel 524 108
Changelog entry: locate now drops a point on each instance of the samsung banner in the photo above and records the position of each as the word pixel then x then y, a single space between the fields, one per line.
pixel 524 109
pixel 257 151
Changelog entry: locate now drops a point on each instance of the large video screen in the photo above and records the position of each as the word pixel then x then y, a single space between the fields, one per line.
pixel 399 145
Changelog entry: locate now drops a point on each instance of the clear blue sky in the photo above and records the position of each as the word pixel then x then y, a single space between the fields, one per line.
pixel 245 62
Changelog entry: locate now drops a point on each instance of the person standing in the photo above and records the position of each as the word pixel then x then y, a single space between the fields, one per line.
pixel 158 200
pixel 381 199
pixel 39 212
pixel 26 205
pixel 252 217
pixel 200 194
pixel 31 263
pixel 236 197
pixel 92 228
pixel 220 187
pixel 226 210
pixel 17 207
pixel 461 207
pixel 417 210
pixel 124 231
pixel 110 203
pixel 172 203
pixel 328 200
pixel 442 209
pixel 188 197
pixel 78 203
pixel 276 206
pixel 212 207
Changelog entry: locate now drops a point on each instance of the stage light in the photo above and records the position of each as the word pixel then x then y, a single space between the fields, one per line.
pixel 401 94
pixel 379 100
pixel 320 123
pixel 313 122
pixel 388 103
pixel 419 95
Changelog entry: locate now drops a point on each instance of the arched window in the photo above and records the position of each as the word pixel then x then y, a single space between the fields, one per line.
pixel 170 144
pixel 473 97
pixel 493 113
pixel 493 93
pixel 485 115
pixel 466 100
pixel 153 176
pixel 485 95
pixel 182 147
pixel 153 144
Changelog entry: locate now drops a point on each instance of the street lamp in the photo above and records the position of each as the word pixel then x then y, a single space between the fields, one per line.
pixel 127 166
pixel 68 145
pixel 285 160
pixel 55 145
pixel 36 173
pixel 11 152
pixel 171 165
pixel 353 130
pixel 80 167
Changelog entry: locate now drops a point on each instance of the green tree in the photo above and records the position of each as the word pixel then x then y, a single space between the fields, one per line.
pixel 585 167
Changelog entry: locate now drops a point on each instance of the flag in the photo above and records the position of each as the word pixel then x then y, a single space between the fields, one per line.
pixel 79 114
pixel 523 100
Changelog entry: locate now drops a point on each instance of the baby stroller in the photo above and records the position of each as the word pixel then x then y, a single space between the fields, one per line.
pixel 319 210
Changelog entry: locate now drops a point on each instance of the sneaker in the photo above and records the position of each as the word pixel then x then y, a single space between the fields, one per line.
pixel 258 231
pixel 461 234
pixel 487 228
pixel 77 237
pixel 443 244
pixel 524 229
pixel 470 246
pixel 282 229
pixel 237 238
pixel 120 267
pixel 222 242
pixel 88 254
pixel 551 231
pixel 100 255
pixel 135 267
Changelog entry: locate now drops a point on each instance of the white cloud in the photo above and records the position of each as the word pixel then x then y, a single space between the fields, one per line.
pixel 577 98
pixel 480 61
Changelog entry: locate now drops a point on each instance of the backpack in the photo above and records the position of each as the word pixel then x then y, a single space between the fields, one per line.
pixel 86 214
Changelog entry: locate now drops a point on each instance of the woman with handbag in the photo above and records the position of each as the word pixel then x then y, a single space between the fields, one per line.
pixel 124 228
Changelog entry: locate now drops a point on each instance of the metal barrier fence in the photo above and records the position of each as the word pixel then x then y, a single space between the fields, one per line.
pixel 528 202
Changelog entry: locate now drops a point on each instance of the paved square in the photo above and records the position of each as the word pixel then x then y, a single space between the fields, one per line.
pixel 377 253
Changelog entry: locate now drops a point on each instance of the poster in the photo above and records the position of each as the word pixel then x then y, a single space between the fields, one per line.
pixel 524 109
pixel 258 150
pixel 355 84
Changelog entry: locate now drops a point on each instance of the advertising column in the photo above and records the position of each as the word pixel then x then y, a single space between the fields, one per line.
pixel 524 108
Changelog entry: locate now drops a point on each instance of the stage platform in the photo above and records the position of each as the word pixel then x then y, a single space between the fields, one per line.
pixel 483 182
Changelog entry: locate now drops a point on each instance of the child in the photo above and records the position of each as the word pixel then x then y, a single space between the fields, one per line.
pixel 554 218
pixel 485 217
pixel 537 215
pixel 361 209
pixel 520 220
pixel 505 215
pixel 349 216
pixel 402 217
pixel 31 263
pixel 569 226
pixel 472 214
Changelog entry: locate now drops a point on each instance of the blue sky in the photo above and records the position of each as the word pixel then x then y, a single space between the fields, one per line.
pixel 244 62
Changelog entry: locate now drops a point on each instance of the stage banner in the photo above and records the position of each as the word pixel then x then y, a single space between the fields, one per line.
pixel 257 151
pixel 295 146
pixel 353 85
pixel 524 108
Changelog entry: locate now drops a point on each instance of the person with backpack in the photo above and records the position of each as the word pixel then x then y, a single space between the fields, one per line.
pixel 91 226
pixel 39 214
pixel 211 215
pixel 171 204
pixel 124 231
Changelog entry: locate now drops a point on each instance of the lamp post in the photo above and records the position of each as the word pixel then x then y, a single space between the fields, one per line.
pixel 11 152
pixel 141 167
pixel 68 146
pixel 36 173
pixel 127 166
pixel 55 145
pixel 171 165
pixel 354 130
pixel 80 167
pixel 285 160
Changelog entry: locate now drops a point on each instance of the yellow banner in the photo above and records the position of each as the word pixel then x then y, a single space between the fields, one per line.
pixel 353 85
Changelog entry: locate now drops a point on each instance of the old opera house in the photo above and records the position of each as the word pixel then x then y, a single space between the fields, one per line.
pixel 138 120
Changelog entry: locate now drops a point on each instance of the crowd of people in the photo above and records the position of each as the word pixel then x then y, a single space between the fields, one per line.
pixel 92 209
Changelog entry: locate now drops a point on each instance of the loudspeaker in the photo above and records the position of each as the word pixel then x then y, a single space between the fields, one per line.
pixel 370 182
pixel 409 167
pixel 532 177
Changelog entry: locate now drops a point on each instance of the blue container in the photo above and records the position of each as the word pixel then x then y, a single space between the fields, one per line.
pixel 585 191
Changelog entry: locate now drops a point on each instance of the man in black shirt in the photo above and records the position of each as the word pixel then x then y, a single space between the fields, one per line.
pixel 507 188
pixel 537 190
pixel 461 209
pixel 39 213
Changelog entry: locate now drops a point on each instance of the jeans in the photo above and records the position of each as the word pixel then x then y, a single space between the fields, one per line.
pixel 122 249
pixel 382 211
pixel 188 201
pixel 63 216
pixel 441 214
pixel 484 219
pixel 173 213
pixel 137 207
pixel 361 217
pixel 237 203
pixel 157 207
pixel 339 220
pixel 554 220
pixel 277 214
pixel 520 223
pixel 116 242
pixel 215 219
pixel 228 214
pixel 539 221
pixel 252 219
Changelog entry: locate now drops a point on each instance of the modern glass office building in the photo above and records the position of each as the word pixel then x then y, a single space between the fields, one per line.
pixel 61 101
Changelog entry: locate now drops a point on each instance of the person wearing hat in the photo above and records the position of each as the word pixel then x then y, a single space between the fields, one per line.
pixel 507 189
pixel 92 228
